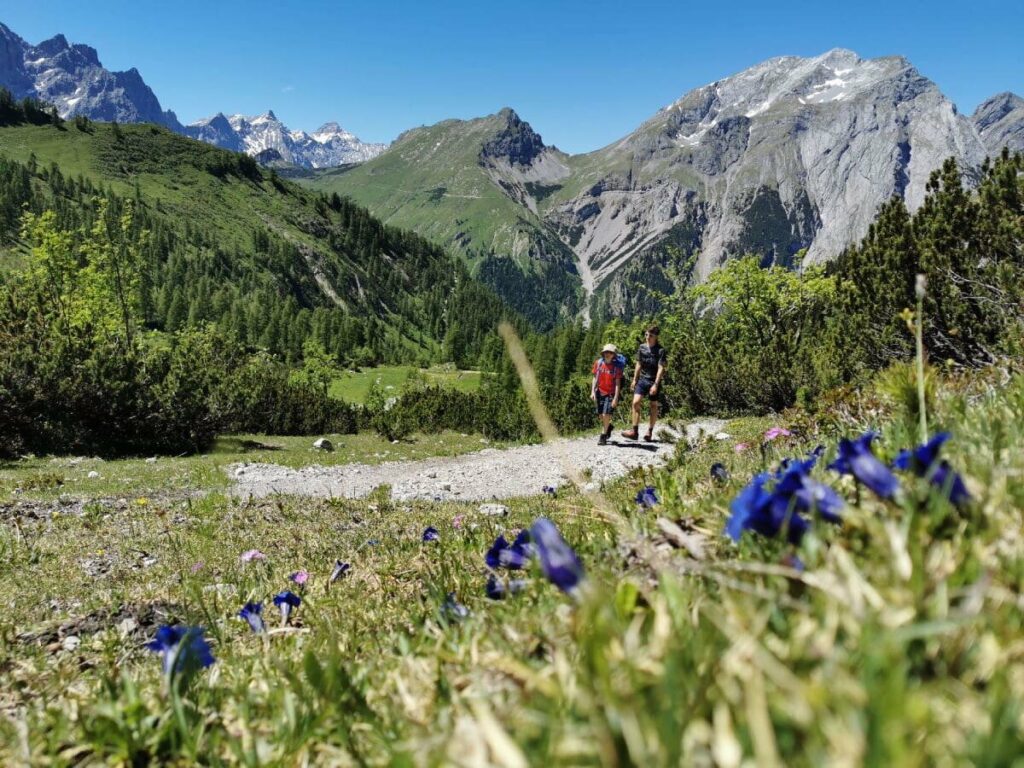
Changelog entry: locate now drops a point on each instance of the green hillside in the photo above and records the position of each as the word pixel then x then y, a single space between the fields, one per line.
pixel 228 242
pixel 439 182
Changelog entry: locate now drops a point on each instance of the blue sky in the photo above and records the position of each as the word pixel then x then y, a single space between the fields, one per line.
pixel 582 73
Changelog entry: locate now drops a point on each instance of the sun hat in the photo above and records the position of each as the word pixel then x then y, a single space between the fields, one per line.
pixel 609 348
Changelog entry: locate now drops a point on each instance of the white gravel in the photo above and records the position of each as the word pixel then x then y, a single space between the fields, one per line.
pixel 481 476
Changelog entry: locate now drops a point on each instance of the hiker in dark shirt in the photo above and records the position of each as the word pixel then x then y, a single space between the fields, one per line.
pixel 651 360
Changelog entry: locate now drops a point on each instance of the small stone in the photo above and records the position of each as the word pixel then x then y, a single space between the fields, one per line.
pixel 493 510
pixel 151 460
pixel 127 626
pixel 723 436
pixel 240 471
pixel 394 442
pixel 432 474
pixel 323 444
pixel 93 474
pixel 446 486
pixel 71 643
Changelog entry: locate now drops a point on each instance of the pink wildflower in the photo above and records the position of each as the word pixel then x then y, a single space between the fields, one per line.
pixel 252 554
pixel 740 447
pixel 457 521
pixel 300 577
pixel 775 432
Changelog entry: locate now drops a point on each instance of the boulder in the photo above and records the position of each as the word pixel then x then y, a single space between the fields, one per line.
pixel 493 510
pixel 323 444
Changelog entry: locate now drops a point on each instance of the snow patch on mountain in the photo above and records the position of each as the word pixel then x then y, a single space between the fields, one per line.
pixel 328 146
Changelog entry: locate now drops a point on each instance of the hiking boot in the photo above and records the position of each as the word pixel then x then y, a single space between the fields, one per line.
pixel 632 433
pixel 603 439
pixel 648 438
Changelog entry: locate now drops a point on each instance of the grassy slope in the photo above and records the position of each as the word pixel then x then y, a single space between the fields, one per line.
pixel 899 645
pixel 431 181
pixel 352 386
pixel 171 170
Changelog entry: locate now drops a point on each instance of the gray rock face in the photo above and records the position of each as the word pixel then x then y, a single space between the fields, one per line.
pixel 791 154
pixel 1000 122
pixel 72 78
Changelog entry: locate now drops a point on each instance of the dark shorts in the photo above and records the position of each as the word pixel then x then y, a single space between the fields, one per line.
pixel 604 404
pixel 643 388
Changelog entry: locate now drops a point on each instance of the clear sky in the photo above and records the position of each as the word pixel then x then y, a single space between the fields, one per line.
pixel 582 73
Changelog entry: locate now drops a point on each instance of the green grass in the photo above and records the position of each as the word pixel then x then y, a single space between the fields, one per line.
pixel 899 645
pixel 353 386
pixel 47 478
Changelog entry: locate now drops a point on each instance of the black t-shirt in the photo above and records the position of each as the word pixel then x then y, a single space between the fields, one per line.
pixel 650 358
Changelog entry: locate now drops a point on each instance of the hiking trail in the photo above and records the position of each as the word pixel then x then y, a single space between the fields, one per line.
pixel 481 476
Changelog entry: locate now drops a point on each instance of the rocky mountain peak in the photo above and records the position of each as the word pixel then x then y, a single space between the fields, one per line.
pixel 1000 122
pixel 516 141
pixel 53 46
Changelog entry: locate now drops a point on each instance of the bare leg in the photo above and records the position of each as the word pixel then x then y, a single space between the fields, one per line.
pixel 637 401
pixel 654 416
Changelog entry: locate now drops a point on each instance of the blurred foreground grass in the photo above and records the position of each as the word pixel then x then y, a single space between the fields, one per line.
pixel 901 643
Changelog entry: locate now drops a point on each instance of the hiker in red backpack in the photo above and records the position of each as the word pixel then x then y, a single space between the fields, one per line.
pixel 651 360
pixel 606 387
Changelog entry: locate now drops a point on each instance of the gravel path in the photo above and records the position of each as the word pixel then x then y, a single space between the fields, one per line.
pixel 481 476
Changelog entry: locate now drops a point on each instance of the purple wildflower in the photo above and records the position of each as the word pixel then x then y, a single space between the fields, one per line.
pixel 647 498
pixel 253 613
pixel 252 554
pixel 184 650
pixel 300 577
pixel 512 556
pixel 431 534
pixel 557 559
pixel 855 458
pixel 776 432
pixel 924 462
pixel 497 589
pixel 286 601
pixel 340 569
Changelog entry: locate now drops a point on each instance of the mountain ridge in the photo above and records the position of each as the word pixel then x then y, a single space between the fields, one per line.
pixel 71 77
pixel 790 159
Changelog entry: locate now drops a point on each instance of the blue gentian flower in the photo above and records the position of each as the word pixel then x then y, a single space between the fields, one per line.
pixel 512 556
pixel 797 487
pixel 452 609
pixel 719 473
pixel 286 601
pixel 924 461
pixel 253 613
pixel 647 498
pixel 340 569
pixel 855 458
pixel 557 559
pixel 768 512
pixel 753 510
pixel 431 534
pixel 497 589
pixel 184 650
pixel 550 490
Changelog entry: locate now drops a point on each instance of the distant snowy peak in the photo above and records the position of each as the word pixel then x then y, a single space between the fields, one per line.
pixel 330 145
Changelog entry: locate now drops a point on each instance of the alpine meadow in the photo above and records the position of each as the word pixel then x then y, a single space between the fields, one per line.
pixel 704 447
